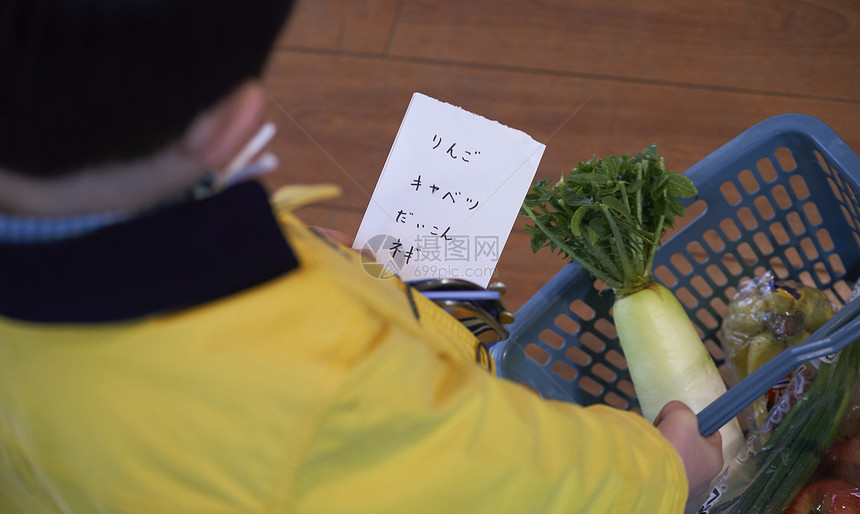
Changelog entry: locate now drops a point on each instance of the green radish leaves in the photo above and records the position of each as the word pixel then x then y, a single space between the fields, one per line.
pixel 609 215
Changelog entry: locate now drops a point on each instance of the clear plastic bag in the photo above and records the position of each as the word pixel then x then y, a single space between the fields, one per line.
pixel 764 318
pixel 817 405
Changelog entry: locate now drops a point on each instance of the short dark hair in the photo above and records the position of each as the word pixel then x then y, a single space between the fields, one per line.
pixel 86 82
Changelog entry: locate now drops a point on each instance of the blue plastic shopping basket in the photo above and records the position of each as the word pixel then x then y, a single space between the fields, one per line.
pixel 781 196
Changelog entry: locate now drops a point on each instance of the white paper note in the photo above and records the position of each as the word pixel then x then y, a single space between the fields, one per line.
pixel 448 195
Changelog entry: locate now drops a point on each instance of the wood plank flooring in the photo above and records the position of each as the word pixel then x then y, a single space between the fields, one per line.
pixel 581 76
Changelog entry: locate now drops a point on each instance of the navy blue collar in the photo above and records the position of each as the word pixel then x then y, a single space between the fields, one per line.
pixel 177 257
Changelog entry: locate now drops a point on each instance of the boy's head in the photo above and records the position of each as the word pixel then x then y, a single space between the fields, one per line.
pixel 90 82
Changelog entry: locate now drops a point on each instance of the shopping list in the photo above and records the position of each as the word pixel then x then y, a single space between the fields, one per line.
pixel 448 194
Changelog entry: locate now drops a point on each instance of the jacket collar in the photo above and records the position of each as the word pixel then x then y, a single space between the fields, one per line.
pixel 177 257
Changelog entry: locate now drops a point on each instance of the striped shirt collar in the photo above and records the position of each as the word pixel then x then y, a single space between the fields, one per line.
pixel 27 230
pixel 15 229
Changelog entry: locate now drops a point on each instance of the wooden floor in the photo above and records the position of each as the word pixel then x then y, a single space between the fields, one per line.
pixel 581 76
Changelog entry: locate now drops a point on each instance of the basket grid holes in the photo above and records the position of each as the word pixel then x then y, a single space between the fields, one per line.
pixel 594 335
pixel 766 248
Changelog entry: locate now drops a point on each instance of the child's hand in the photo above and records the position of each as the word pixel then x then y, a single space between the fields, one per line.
pixel 343 239
pixel 702 457
pixel 333 235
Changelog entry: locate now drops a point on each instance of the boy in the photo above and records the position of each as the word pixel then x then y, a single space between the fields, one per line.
pixel 167 354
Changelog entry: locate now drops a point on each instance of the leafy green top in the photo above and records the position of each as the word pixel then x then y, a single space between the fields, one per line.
pixel 609 215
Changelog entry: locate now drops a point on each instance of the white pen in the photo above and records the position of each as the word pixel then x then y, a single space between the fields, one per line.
pixel 260 140
pixel 266 163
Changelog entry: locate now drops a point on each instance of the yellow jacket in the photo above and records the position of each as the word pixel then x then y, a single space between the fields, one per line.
pixel 306 385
